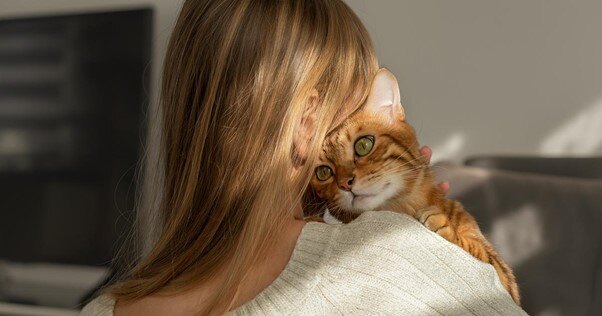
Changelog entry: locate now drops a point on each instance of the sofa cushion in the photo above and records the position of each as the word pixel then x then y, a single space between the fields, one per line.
pixel 548 229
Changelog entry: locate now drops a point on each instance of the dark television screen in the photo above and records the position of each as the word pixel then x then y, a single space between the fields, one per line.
pixel 73 90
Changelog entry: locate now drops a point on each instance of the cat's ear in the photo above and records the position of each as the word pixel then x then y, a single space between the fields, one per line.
pixel 306 131
pixel 384 96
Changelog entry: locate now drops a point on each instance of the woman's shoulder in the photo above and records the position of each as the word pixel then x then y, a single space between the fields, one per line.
pixel 380 227
pixel 382 219
pixel 398 239
pixel 382 262
pixel 372 219
pixel 100 306
pixel 371 230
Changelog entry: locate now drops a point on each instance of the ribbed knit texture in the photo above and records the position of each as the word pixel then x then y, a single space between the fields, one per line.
pixel 381 263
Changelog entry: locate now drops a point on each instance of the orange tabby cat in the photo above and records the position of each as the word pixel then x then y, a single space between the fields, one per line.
pixel 373 162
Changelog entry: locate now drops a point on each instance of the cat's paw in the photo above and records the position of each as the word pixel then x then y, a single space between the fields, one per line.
pixel 438 222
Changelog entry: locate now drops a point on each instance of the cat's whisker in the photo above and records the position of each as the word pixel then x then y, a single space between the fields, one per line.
pixel 422 164
pixel 401 168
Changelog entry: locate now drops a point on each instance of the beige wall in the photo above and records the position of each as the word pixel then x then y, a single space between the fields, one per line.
pixel 504 77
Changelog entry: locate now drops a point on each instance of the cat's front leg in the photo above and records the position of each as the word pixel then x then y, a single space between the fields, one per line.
pixel 437 221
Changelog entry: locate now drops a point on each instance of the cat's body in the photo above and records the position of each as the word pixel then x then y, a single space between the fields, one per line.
pixel 373 162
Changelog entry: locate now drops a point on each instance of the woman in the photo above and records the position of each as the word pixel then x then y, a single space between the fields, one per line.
pixel 250 89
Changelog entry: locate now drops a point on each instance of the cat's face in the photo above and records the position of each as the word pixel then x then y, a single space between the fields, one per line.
pixel 372 158
pixel 365 164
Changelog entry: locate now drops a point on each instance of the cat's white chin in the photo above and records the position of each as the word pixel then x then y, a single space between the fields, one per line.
pixel 367 202
pixel 371 198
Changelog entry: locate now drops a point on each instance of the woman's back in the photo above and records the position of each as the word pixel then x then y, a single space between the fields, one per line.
pixel 382 263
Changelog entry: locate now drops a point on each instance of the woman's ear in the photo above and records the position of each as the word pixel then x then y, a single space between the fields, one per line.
pixel 384 96
pixel 305 131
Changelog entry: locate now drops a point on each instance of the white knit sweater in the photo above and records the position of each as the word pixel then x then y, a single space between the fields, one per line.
pixel 381 263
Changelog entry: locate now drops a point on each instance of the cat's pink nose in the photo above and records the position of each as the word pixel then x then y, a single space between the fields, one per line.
pixel 346 183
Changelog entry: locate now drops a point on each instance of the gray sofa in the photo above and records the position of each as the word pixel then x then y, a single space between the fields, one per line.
pixel 545 221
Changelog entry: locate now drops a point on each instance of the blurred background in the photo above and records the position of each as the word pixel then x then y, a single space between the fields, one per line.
pixel 508 94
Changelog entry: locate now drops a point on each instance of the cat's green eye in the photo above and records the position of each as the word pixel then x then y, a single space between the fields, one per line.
pixel 323 173
pixel 363 145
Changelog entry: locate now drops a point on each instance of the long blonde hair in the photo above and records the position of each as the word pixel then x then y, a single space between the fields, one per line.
pixel 236 80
